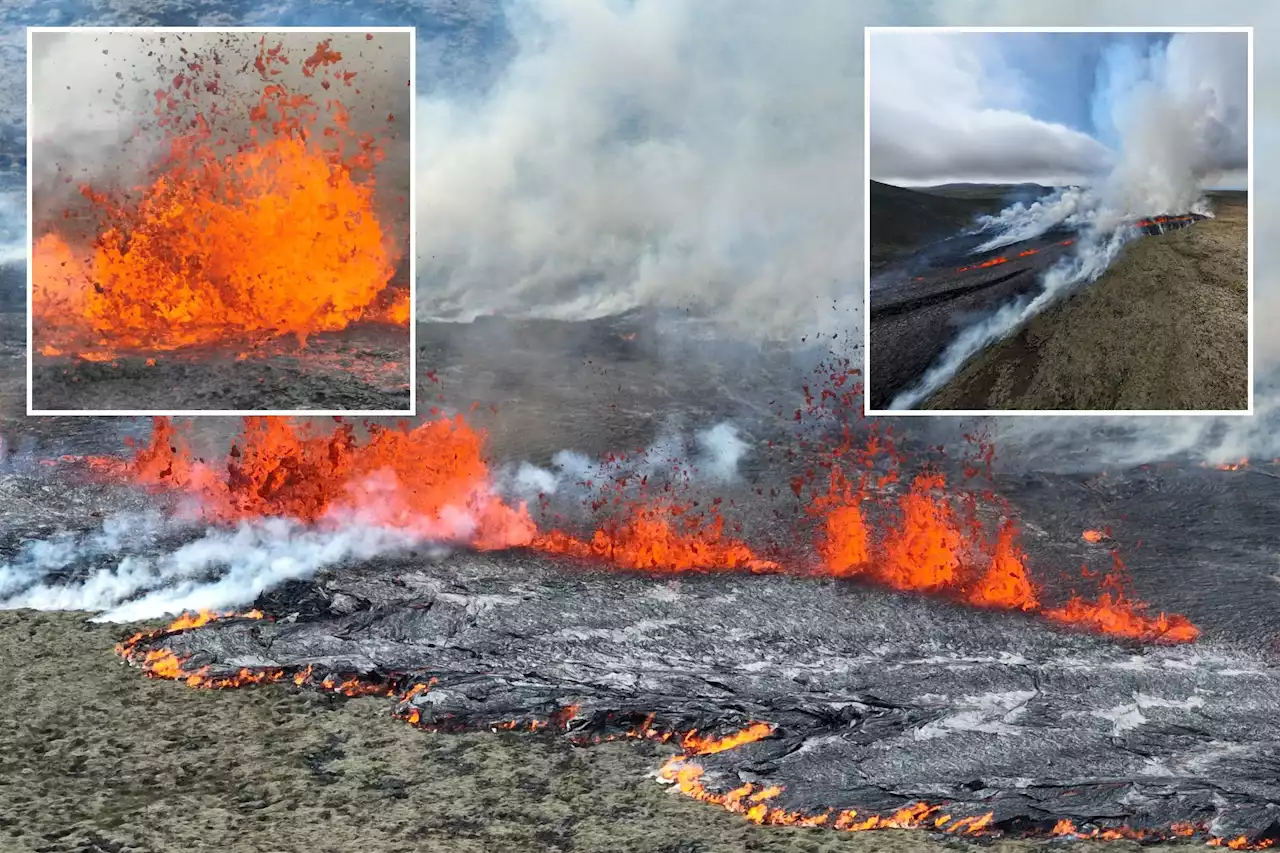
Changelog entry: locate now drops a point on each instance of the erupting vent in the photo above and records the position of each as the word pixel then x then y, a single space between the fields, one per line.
pixel 233 236
pixel 787 659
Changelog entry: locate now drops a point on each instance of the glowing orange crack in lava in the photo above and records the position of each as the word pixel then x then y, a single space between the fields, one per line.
pixel 276 236
pixel 682 770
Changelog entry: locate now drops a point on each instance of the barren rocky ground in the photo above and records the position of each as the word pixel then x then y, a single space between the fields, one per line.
pixel 98 758
pixel 362 369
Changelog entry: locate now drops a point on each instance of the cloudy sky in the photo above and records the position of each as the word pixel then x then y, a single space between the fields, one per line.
pixel 1051 108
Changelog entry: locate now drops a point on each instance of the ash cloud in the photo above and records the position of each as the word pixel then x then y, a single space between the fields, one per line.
pixel 94 97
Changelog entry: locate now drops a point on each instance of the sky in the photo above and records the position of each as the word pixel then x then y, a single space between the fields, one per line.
pixel 1051 108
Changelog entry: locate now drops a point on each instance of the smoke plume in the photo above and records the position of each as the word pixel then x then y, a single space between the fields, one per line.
pixel 708 457
pixel 128 580
pixel 690 155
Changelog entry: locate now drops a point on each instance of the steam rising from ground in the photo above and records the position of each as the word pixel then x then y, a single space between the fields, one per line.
pixel 13 227
pixel 711 456
pixel 144 565
pixel 654 153
pixel 1096 249
pixel 136 577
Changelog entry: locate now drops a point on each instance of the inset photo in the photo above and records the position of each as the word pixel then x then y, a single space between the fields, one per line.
pixel 1059 221
pixel 220 221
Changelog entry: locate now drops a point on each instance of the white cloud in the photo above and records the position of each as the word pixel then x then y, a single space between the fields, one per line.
pixel 934 118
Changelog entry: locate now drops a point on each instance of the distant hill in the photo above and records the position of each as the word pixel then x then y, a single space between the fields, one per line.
pixel 1005 193
pixel 905 219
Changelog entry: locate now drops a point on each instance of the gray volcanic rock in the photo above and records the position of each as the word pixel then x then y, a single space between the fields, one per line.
pixel 878 701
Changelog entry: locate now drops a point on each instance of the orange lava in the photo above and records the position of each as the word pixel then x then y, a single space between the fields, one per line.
pixel 1114 612
pixel 926 549
pixel 232 238
pixel 432 480
pixel 750 800
pixel 990 262
pixel 1006 584
pixel 185 621
pixel 923 544
pixel 397 312
pixel 923 552
pixel 1094 536
pixel 1161 220
pixel 662 535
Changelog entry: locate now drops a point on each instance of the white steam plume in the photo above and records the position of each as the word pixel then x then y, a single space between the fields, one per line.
pixel 128 569
pixel 1094 254
pixel 13 227
pixel 655 153
pixel 711 456
pixel 223 569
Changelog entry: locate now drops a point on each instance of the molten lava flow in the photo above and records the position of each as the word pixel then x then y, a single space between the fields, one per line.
pixel 694 744
pixel 127 648
pixel 431 481
pixel 1164 220
pixel 661 536
pixel 396 313
pixel 233 238
pixel 924 545
pixel 164 664
pixel 990 262
pixel 752 802
pixel 1094 536
pixel 925 550
pixel 845 542
pixel 1114 612
pixel 1117 615
pixel 1006 585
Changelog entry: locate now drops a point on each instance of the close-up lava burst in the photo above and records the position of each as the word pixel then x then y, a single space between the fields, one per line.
pixel 245 244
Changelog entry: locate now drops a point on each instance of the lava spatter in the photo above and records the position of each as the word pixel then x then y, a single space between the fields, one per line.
pixel 431 481
pixel 661 536
pixel 232 237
